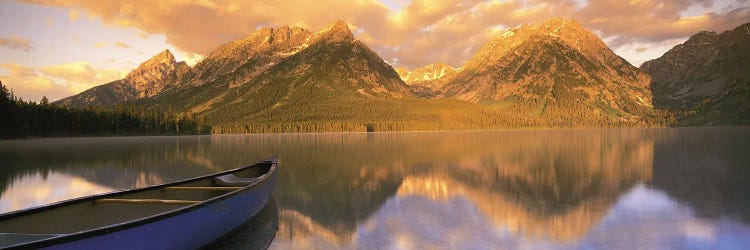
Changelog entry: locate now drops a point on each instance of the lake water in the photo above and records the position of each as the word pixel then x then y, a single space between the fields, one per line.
pixel 685 188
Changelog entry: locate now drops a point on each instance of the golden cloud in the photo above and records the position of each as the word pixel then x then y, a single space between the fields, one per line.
pixel 655 20
pixel 79 76
pixel 24 81
pixel 74 15
pixel 56 81
pixel 14 42
pixel 423 32
pixel 122 45
pixel 19 70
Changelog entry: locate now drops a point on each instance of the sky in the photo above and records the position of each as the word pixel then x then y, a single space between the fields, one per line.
pixel 57 48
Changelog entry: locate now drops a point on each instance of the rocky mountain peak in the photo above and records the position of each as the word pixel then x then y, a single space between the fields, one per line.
pixel 336 32
pixel 148 80
pixel 153 75
pixel 561 25
pixel 576 36
pixel 556 66
pixel 703 34
pixel 276 35
pixel 163 58
pixel 565 31
pixel 252 54
pixel 427 73
pixel 702 38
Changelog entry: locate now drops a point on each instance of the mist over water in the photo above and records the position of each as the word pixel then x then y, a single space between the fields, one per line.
pixel 559 189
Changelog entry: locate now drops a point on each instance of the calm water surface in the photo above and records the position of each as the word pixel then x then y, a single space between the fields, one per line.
pixel 539 189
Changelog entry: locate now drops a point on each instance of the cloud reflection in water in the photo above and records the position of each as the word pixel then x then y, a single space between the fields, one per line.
pixel 39 189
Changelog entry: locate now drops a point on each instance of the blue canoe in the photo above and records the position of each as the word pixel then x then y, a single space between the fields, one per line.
pixel 181 215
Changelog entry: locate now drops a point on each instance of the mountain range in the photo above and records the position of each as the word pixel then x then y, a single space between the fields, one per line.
pixel 554 74
pixel 706 78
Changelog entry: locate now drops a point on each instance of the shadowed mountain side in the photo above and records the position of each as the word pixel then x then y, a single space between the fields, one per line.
pixel 706 79
pixel 107 95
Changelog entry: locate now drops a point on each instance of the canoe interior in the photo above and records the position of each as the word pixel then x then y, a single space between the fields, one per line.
pixel 87 214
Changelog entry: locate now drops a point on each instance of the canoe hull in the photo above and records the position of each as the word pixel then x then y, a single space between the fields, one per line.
pixel 188 230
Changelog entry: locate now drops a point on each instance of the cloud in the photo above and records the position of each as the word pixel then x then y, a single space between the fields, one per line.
pixel 14 42
pixel 19 70
pixel 122 45
pixel 55 81
pixel 27 83
pixel 421 32
pixel 79 76
pixel 73 15
pixel 654 20
pixel 200 26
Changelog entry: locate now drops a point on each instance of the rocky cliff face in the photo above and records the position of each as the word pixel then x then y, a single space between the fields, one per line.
pixel 556 66
pixel 251 55
pixel 429 79
pixel 708 77
pixel 312 71
pixel 153 75
pixel 148 80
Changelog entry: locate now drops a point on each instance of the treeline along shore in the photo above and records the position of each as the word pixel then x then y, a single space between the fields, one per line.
pixel 29 119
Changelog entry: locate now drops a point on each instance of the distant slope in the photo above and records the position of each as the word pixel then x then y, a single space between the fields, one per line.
pixel 556 70
pixel 148 80
pixel 706 79
pixel 427 80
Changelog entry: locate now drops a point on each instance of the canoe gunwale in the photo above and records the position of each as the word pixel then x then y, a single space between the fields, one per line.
pixel 140 221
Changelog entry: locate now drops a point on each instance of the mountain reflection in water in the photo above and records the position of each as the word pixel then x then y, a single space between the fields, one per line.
pixel 593 188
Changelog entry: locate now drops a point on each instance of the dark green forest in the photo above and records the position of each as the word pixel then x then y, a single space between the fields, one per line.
pixel 22 119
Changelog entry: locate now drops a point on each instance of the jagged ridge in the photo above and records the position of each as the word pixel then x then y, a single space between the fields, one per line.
pixel 554 67
pixel 707 78
pixel 149 79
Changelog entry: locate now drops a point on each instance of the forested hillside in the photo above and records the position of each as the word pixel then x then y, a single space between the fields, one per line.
pixel 706 79
pixel 21 119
